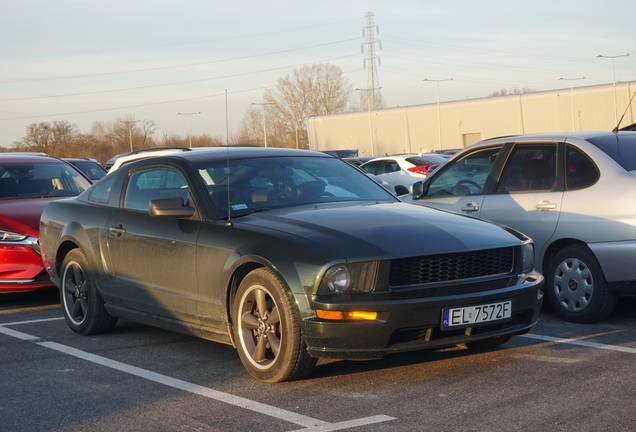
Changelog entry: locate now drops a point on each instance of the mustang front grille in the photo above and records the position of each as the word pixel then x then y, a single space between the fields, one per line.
pixel 451 267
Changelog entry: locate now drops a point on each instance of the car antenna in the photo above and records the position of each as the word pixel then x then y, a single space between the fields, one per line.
pixel 615 130
pixel 227 158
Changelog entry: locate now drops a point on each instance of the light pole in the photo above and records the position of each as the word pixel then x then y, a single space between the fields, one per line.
pixel 613 79
pixel 129 122
pixel 368 90
pixel 572 94
pixel 297 124
pixel 189 133
pixel 439 115
pixel 264 129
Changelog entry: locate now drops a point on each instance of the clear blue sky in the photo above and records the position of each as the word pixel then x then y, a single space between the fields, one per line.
pixel 85 61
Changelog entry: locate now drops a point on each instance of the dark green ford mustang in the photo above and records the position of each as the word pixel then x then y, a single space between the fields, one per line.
pixel 287 255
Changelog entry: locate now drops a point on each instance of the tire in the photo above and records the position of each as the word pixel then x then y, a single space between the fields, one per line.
pixel 267 331
pixel 489 343
pixel 577 288
pixel 82 305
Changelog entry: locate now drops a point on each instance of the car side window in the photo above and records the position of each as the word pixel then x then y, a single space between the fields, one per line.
pixel 529 167
pixel 466 176
pixel 146 185
pixel 373 167
pixel 390 166
pixel 100 193
pixel 581 171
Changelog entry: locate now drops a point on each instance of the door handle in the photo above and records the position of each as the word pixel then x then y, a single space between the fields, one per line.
pixel 545 205
pixel 118 230
pixel 472 207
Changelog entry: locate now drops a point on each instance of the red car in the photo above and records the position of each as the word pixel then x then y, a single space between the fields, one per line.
pixel 27 184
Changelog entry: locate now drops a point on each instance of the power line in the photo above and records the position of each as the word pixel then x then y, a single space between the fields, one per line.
pixel 174 66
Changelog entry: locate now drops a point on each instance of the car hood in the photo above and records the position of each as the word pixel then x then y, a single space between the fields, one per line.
pixel 23 215
pixel 375 231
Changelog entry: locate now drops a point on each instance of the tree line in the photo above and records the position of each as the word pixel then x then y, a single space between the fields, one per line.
pixel 318 89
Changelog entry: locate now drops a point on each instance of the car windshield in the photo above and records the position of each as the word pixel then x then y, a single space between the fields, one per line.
pixel 90 168
pixel 276 182
pixel 28 180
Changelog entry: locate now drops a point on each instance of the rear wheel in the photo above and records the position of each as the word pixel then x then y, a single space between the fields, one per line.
pixel 82 305
pixel 576 286
pixel 267 331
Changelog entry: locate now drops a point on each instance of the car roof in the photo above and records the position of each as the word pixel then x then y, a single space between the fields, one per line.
pixel 127 158
pixel 555 136
pixel 212 154
pixel 28 158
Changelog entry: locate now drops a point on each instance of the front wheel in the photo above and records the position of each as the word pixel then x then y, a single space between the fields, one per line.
pixel 267 331
pixel 82 305
pixel 576 286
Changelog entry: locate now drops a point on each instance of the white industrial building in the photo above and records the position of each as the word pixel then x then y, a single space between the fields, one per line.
pixel 454 125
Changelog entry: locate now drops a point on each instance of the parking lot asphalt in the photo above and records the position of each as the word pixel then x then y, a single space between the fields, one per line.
pixel 560 377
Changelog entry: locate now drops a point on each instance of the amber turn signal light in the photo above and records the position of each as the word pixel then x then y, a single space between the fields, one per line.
pixel 346 315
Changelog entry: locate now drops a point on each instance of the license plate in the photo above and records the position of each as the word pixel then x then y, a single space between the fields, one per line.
pixel 474 315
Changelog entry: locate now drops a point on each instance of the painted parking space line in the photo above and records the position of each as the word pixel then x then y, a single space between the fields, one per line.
pixel 308 423
pixel 578 342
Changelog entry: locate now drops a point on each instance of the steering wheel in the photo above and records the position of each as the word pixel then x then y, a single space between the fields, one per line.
pixel 464 182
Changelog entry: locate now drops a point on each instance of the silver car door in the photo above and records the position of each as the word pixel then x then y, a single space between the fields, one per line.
pixel 527 197
pixel 459 184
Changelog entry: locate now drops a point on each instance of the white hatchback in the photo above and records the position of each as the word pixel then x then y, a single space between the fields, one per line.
pixel 402 171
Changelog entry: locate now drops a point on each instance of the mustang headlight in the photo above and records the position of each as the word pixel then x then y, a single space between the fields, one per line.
pixel 527 257
pixel 349 278
pixel 11 236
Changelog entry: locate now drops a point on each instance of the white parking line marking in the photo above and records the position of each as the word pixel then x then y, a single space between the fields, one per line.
pixel 309 423
pixel 581 343
pixel 32 321
pixel 17 334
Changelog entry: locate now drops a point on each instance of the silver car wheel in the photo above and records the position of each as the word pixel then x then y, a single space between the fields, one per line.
pixel 573 284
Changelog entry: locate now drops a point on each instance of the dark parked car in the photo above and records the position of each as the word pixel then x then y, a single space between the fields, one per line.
pixel 90 167
pixel 28 182
pixel 288 255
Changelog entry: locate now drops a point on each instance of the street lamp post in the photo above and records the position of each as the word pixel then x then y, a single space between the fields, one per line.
pixel 129 122
pixel 189 132
pixel 369 90
pixel 264 129
pixel 613 79
pixel 572 94
pixel 439 116
pixel 297 124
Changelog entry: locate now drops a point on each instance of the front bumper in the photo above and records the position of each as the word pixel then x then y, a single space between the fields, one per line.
pixel 21 267
pixel 415 324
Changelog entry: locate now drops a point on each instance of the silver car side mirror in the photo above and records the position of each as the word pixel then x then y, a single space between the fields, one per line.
pixel 416 189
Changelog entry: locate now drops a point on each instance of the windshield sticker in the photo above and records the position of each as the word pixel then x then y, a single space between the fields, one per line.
pixel 239 206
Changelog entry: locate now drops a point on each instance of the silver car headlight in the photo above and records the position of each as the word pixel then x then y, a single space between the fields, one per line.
pixel 349 278
pixel 527 257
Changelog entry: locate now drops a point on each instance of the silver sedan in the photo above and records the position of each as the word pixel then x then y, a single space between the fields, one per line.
pixel 571 193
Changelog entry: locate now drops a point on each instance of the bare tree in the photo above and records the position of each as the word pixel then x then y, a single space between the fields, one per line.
pixel 318 89
pixel 48 137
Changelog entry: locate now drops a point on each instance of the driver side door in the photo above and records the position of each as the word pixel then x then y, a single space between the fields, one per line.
pixel 460 185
